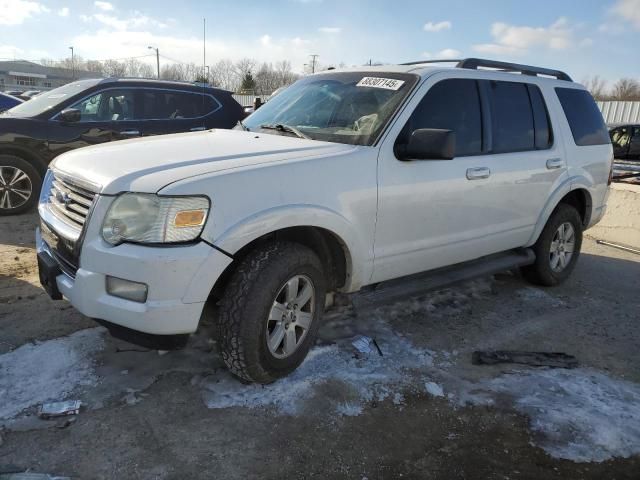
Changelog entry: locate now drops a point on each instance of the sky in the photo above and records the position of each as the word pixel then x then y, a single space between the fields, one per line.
pixel 582 37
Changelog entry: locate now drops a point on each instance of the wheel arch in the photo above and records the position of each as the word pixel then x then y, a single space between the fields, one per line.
pixel 571 193
pixel 39 163
pixel 330 248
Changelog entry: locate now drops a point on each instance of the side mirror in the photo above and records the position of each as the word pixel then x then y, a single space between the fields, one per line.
pixel 70 115
pixel 429 144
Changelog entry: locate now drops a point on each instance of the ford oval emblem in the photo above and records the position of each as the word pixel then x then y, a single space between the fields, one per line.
pixel 63 198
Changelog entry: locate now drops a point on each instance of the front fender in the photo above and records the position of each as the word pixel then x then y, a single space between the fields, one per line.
pixel 357 249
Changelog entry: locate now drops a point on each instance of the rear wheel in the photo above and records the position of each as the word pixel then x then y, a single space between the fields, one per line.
pixel 20 185
pixel 557 249
pixel 271 311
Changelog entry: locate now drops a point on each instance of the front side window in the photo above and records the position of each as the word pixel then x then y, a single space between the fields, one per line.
pixel 450 105
pixel 343 107
pixel 620 137
pixel 107 106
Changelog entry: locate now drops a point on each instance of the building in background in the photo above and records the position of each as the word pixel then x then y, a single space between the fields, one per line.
pixel 24 75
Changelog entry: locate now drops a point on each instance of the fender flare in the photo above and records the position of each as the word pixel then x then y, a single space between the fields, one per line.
pixel 578 182
pixel 26 154
pixel 356 249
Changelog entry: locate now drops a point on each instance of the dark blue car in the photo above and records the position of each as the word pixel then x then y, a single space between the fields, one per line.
pixel 8 101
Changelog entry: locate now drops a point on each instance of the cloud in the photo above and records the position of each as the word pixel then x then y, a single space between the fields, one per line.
pixel 330 29
pixel 136 20
pixel 437 27
pixel 628 10
pixel 63 12
pixel 15 12
pixel 445 54
pixel 104 6
pixel 516 40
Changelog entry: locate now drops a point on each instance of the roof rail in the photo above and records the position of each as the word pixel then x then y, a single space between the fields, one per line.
pixel 419 62
pixel 476 63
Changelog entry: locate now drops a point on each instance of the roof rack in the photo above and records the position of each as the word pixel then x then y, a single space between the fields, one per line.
pixel 477 63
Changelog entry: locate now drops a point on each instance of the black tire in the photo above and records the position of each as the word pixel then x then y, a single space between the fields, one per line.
pixel 541 272
pixel 247 302
pixel 34 180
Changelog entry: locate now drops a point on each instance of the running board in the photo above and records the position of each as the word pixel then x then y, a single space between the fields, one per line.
pixel 420 283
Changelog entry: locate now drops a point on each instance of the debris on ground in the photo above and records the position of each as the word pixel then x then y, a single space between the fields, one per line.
pixel 59 409
pixel 434 389
pixel 30 476
pixel 533 359
pixel 362 343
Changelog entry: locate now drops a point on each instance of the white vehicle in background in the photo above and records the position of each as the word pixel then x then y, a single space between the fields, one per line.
pixel 343 182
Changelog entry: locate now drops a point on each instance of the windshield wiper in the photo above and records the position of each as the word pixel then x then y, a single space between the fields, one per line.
pixel 244 127
pixel 281 127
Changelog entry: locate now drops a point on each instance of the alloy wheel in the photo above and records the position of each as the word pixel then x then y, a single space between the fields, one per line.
pixel 290 316
pixel 562 247
pixel 15 187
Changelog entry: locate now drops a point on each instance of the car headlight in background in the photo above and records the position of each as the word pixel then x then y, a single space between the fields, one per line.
pixel 149 218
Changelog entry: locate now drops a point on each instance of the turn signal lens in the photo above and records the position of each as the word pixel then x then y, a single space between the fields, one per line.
pixel 190 218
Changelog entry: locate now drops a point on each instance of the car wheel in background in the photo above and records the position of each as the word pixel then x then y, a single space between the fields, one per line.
pixel 20 185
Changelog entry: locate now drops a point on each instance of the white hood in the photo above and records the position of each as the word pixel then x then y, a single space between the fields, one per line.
pixel 148 164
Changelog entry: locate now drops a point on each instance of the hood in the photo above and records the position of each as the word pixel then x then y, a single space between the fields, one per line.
pixel 148 164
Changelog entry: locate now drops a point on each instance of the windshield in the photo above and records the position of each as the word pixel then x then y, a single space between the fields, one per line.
pixel 342 107
pixel 48 100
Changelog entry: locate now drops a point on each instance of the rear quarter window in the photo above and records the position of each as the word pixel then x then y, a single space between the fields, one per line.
pixel 584 117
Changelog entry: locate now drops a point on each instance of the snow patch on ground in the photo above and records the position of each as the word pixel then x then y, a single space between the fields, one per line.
pixel 47 371
pixel 368 377
pixel 580 415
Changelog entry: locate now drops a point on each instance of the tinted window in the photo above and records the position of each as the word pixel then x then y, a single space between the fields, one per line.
pixel 109 105
pixel 513 129
pixel 543 133
pixel 585 120
pixel 165 104
pixel 621 137
pixel 451 105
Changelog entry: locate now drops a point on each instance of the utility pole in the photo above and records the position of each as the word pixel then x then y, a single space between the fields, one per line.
pixel 73 66
pixel 157 59
pixel 313 62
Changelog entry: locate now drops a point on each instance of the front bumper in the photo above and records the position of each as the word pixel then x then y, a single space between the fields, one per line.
pixel 179 279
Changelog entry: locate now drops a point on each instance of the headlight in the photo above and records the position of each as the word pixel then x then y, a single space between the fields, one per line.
pixel 149 218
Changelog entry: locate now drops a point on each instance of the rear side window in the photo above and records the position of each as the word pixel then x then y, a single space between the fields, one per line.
pixel 585 120
pixel 166 104
pixel 451 105
pixel 513 127
pixel 543 134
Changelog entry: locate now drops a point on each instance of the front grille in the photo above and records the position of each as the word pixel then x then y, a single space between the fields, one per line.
pixel 70 202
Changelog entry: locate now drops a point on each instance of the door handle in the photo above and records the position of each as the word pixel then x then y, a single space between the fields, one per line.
pixel 130 133
pixel 197 129
pixel 478 173
pixel 554 163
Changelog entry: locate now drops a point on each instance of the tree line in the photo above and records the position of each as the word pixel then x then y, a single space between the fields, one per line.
pixel 625 89
pixel 243 76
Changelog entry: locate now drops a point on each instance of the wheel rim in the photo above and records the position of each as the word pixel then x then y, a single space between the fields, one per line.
pixel 290 316
pixel 15 187
pixel 562 247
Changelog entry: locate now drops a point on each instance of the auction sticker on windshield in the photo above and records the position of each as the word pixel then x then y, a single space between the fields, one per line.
pixel 377 82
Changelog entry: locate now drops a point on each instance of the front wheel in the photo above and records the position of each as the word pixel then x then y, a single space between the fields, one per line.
pixel 271 311
pixel 557 249
pixel 19 185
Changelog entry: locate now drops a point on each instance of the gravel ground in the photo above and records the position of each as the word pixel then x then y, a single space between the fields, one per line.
pixel 421 410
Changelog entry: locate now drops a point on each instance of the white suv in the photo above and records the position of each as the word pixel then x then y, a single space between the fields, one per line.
pixel 345 180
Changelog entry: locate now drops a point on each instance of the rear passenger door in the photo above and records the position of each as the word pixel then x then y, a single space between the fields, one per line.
pixel 487 199
pixel 183 110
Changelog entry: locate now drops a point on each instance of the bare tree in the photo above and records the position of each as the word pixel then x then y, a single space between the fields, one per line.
pixel 626 89
pixel 597 86
pixel 114 68
pixel 223 75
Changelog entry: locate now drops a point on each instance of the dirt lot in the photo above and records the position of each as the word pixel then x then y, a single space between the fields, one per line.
pixel 419 411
